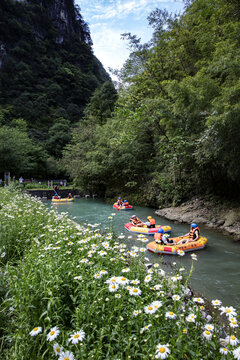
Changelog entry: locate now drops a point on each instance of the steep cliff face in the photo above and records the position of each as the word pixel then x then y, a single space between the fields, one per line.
pixel 47 67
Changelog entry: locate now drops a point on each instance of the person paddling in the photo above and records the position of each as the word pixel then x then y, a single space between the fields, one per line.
pixel 193 234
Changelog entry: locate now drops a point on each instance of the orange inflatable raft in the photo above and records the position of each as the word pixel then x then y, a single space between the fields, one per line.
pixel 172 249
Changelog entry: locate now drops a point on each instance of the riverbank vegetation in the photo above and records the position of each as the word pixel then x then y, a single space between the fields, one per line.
pixel 79 293
pixel 175 129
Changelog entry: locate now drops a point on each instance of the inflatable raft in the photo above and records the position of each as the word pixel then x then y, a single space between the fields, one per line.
pixel 172 249
pixel 122 207
pixel 62 200
pixel 145 230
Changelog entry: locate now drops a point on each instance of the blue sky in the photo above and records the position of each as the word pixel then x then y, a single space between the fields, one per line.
pixel 108 19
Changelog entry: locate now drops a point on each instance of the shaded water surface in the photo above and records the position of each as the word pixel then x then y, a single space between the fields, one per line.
pixel 217 271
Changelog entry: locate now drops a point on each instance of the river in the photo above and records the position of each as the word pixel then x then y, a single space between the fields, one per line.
pixel 216 272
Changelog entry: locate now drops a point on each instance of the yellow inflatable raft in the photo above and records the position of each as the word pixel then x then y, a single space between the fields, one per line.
pixel 172 249
pixel 62 200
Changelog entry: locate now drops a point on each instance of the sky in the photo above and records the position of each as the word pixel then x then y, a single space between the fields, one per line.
pixel 108 19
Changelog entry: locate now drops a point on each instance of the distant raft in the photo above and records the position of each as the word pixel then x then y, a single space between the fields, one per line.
pixel 62 200
pixel 146 230
pixel 172 249
pixel 122 207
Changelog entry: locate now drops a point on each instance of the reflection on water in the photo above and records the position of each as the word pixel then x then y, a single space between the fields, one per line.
pixel 217 271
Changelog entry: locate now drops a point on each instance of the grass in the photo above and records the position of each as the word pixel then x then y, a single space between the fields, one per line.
pixel 76 293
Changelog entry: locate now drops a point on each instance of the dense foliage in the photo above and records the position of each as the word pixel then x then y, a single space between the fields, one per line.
pixel 72 292
pixel 47 75
pixel 175 131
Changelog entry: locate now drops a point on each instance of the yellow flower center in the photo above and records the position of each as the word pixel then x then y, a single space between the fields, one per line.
pixel 52 333
pixel 224 349
pixel 123 278
pixel 162 350
pixel 234 322
pixel 184 331
pixel 76 336
pixel 207 332
pixel 228 310
pixel 233 337
pixel 58 350
pixel 135 290
pixel 35 329
pixel 171 313
pixel 150 308
pixel 66 358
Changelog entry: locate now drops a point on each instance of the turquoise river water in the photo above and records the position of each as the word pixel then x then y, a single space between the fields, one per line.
pixel 216 273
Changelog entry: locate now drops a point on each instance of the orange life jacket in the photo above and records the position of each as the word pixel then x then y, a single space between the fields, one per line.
pixel 193 234
pixel 157 236
pixel 119 202
pixel 126 203
pixel 152 221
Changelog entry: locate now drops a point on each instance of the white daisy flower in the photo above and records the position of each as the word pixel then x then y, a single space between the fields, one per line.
pixel 157 287
pixel 194 256
pixel 236 353
pixel 77 277
pixel 113 287
pixel 67 355
pixel 57 349
pixel 232 340
pixel 191 318
pixel 207 334
pixel 148 278
pixel 233 323
pixel 156 304
pixel 133 254
pixel 181 269
pixel 156 265
pixel 122 280
pixel 84 261
pixel 176 297
pixel 223 351
pixel 134 291
pixel 36 331
pixel 117 296
pixel 97 276
pixel 228 310
pixel 136 312
pixel 145 328
pixel 198 300
pixel 149 309
pixel 162 352
pixel 77 337
pixel 135 282
pixel 126 270
pixel 142 250
pixel 216 302
pixel 181 252
pixel 209 327
pixel 112 280
pixel 103 272
pixel 170 315
pixel 54 332
pixel 102 253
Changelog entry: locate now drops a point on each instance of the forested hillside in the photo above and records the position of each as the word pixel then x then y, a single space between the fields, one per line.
pixel 48 73
pixel 175 130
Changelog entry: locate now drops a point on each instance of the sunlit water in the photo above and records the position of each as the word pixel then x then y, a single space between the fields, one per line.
pixel 217 271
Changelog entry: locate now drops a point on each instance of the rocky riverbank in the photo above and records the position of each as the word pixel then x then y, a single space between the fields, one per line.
pixel 220 216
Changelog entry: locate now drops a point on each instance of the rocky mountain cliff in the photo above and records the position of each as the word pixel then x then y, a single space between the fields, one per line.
pixel 46 59
pixel 48 73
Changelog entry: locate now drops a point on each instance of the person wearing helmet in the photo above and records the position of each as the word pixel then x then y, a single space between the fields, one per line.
pixel 119 201
pixel 136 221
pixel 151 223
pixel 125 203
pixel 69 196
pixel 193 234
pixel 162 238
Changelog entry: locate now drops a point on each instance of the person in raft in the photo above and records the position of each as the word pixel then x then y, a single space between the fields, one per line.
pixel 193 234
pixel 161 238
pixel 119 201
pixel 136 221
pixel 151 223
pixel 125 203
pixel 69 196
